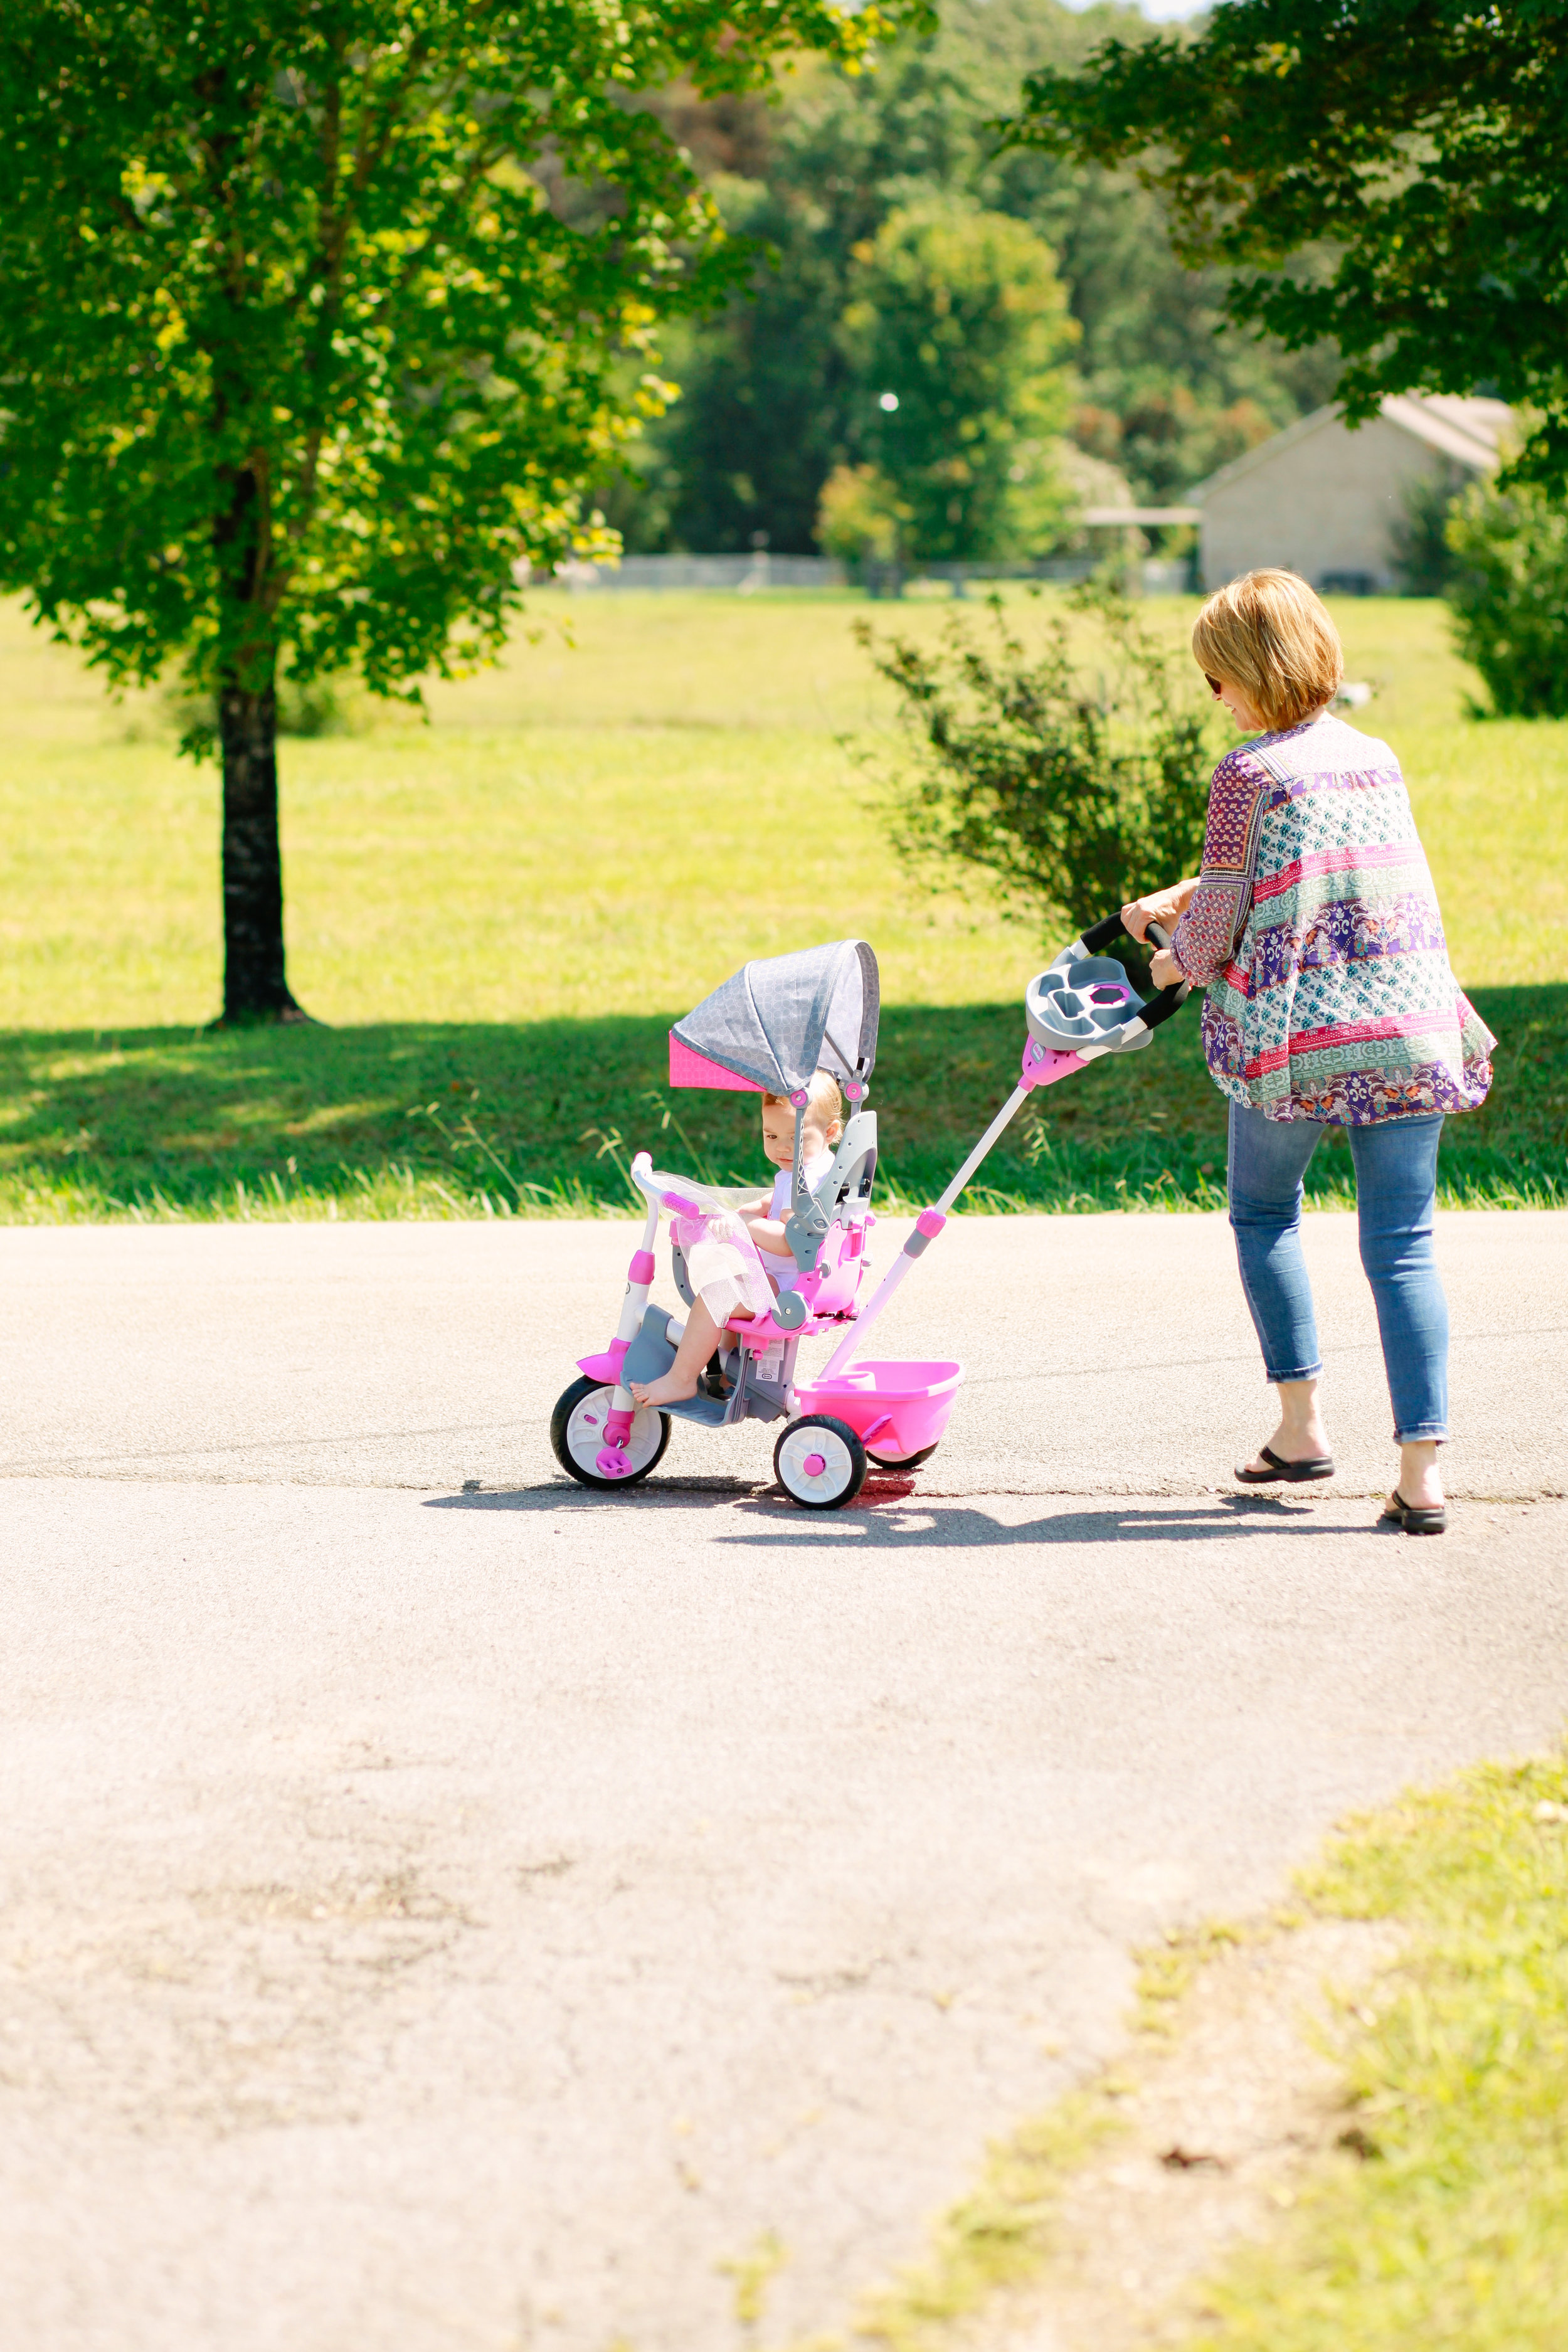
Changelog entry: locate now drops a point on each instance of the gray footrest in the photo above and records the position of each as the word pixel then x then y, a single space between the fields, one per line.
pixel 650 1356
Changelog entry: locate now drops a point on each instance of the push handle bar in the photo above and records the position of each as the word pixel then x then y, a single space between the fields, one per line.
pixel 1169 1000
pixel 1160 1007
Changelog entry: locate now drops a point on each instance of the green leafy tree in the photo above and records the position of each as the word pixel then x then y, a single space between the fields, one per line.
pixel 1508 593
pixel 771 401
pixel 1071 789
pixel 956 327
pixel 315 318
pixel 765 390
pixel 1387 173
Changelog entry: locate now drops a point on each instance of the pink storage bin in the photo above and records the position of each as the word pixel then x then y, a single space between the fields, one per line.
pixel 894 1408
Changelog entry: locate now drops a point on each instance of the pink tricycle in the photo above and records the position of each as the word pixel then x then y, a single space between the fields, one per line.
pixel 768 1030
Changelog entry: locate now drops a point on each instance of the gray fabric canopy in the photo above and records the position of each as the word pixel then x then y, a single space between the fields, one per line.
pixel 782 1018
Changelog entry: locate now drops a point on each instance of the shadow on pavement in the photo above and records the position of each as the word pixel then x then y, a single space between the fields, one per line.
pixel 956 1527
pixel 891 1512
pixel 563 1494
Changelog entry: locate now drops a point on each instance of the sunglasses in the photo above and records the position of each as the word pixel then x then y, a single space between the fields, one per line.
pixel 1216 686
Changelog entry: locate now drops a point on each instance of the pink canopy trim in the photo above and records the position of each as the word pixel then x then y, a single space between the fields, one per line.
pixel 689 1069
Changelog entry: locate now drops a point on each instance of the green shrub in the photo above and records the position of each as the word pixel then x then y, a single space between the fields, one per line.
pixel 1509 595
pixel 1422 559
pixel 859 516
pixel 1073 794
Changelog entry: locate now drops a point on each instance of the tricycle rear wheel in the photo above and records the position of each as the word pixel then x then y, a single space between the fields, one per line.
pixel 901 1461
pixel 820 1463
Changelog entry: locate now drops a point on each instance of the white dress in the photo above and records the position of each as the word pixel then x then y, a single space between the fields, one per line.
pixel 784 1270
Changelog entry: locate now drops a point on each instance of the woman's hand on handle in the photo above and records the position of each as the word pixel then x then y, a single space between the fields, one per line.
pixel 1163 969
pixel 1164 906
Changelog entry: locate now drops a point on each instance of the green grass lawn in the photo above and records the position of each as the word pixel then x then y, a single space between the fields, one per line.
pixel 1448 2228
pixel 498 914
pixel 1438 2220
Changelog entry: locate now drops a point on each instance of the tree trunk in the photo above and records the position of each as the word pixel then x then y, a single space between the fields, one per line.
pixel 254 985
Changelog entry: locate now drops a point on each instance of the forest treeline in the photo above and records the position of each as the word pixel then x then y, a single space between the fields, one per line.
pixel 1048 348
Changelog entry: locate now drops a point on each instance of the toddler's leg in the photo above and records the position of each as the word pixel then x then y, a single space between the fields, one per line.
pixel 697 1344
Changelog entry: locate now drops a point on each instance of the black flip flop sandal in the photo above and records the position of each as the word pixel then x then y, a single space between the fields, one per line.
pixel 1294 1474
pixel 1415 1518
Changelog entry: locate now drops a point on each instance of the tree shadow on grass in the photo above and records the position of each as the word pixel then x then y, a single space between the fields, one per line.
pixel 471 1118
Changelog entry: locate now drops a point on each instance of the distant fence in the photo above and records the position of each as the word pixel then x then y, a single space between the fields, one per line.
pixel 746 575
pixel 736 575
pixel 1149 576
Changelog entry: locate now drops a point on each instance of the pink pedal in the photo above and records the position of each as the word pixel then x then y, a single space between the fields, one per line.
pixel 610 1462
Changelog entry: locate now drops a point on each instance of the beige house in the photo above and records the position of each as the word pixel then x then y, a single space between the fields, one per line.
pixel 1321 501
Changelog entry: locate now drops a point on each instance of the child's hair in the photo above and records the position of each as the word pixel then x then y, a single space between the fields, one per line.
pixel 826 1104
pixel 1269 634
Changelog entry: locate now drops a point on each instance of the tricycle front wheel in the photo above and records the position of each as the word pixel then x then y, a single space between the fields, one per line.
pixel 577 1435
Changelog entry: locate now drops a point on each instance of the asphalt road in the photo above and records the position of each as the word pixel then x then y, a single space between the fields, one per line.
pixel 1105 1355
pixel 439 1919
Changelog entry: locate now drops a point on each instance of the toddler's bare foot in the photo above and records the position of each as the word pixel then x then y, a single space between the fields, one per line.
pixel 673 1389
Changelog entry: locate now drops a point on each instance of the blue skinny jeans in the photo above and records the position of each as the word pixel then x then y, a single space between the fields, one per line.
pixel 1396 1186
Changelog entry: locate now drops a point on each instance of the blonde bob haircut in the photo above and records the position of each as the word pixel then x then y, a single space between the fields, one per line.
pixel 1267 633
pixel 825 1104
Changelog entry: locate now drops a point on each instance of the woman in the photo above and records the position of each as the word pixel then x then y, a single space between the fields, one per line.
pixel 1315 929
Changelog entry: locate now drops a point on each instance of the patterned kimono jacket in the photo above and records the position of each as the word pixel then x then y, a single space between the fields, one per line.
pixel 1315 929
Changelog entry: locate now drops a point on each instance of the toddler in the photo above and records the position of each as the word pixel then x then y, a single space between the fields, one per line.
pixel 764 1220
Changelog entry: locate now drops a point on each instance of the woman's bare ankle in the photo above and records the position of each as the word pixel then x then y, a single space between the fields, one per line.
pixel 1420 1479
pixel 1300 1436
